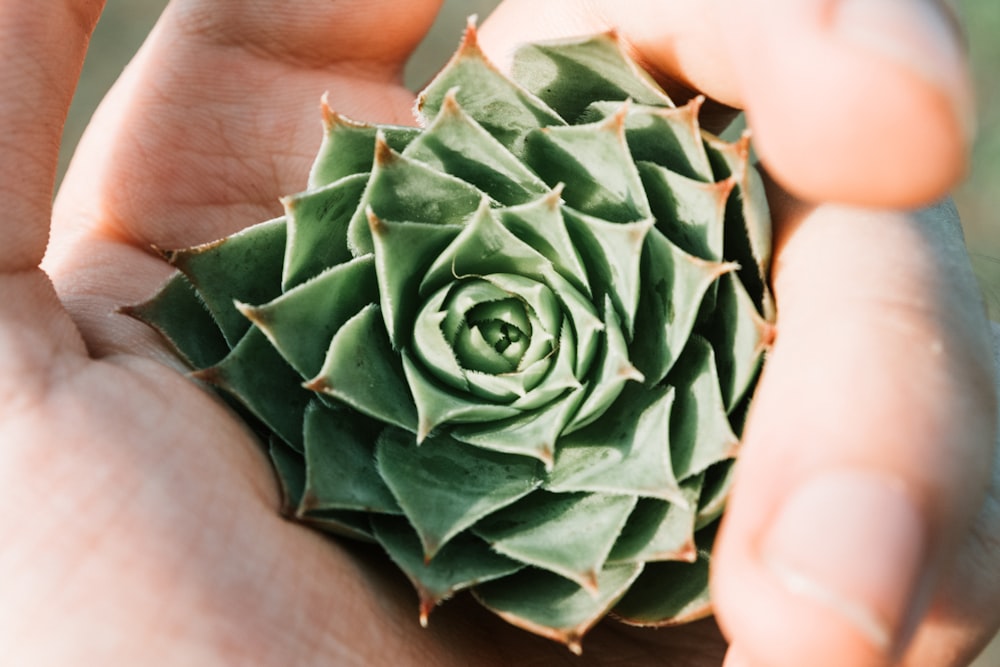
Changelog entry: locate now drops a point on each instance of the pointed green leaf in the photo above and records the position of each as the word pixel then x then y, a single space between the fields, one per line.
pixel 700 433
pixel 689 213
pixel 594 163
pixel 180 316
pixel 317 228
pixel 715 491
pixel 438 404
pixel 553 606
pixel 670 138
pixel 611 372
pixel 748 219
pixel 301 323
pixel 363 371
pixel 456 144
pixel 290 467
pixel 611 252
pixel 660 530
pixel 627 451
pixel 503 108
pixel 569 74
pixel 739 337
pixel 403 253
pixel 340 464
pixel 568 534
pixel 670 593
pixel 462 563
pixel 445 486
pixel 349 147
pixel 244 267
pixel 261 380
pixel 403 189
pixel 533 434
pixel 540 224
pixel 675 284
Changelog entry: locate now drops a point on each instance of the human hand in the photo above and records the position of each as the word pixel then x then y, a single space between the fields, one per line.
pixel 145 515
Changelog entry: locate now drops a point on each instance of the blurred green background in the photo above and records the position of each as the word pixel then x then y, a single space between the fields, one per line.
pixel 126 22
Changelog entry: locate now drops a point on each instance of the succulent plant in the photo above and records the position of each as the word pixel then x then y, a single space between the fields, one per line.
pixel 515 347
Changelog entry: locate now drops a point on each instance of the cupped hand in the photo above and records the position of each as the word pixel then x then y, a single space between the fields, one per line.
pixel 142 517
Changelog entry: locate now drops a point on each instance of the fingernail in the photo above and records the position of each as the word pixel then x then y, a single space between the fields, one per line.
pixel 919 35
pixel 854 543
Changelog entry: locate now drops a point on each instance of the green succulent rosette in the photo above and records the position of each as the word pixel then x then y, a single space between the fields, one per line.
pixel 515 347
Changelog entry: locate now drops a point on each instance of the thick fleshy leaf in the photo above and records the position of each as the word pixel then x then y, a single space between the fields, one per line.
pixel 456 144
pixel 437 404
pixel 244 267
pixel 675 285
pixel 700 432
pixel 317 228
pixel 540 224
pixel 612 370
pixel 445 486
pixel 340 464
pixel 533 434
pixel 403 253
pixel 180 316
pixel 715 490
pixel 739 336
pixel 670 593
pixel 568 534
pixel 403 189
pixel 502 107
pixel 554 607
pixel 627 451
pixel 349 147
pixel 748 219
pixel 670 138
pixel 609 251
pixel 301 322
pixel 290 468
pixel 462 563
pixel 262 381
pixel 363 371
pixel 595 166
pixel 660 530
pixel 689 213
pixel 570 74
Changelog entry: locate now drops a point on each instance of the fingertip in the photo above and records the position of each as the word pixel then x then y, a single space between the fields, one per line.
pixel 866 106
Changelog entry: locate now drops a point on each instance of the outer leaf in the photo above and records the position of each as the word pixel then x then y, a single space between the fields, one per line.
pixel 349 147
pixel 462 563
pixel 594 163
pixel 554 607
pixel 362 371
pixel 570 74
pixel 444 486
pixel 180 316
pixel 627 451
pixel 568 534
pixel 244 267
pixel 659 530
pixel 670 593
pixel 456 144
pixel 302 321
pixel 506 110
pixel 340 464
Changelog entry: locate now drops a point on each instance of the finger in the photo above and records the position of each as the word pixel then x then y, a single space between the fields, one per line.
pixel 861 102
pixel 41 52
pixel 963 615
pixel 869 448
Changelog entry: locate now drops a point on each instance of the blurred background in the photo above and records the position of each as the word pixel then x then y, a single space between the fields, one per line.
pixel 126 22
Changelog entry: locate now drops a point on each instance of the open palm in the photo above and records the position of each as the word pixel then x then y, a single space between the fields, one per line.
pixel 145 514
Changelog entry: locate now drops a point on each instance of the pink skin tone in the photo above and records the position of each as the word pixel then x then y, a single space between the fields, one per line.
pixel 141 518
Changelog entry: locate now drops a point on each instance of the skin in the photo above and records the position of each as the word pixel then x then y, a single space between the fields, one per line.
pixel 141 517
